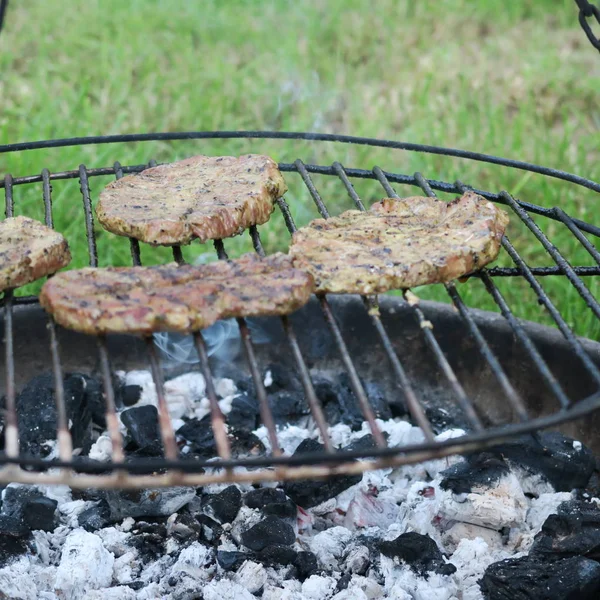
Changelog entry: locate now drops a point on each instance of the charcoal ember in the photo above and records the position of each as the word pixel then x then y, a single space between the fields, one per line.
pixel 184 527
pixel 555 456
pixel 526 577
pixel 96 517
pixel 271 530
pixel 36 407
pixel 573 531
pixel 244 413
pixel 308 493
pixel 130 394
pixel 232 561
pixel 418 551
pixel 39 514
pixel 149 539
pixel 357 560
pixel 283 510
pixel 280 377
pixel 15 497
pixel 442 419
pixel 343 582
pixel 277 554
pixel 211 530
pixel 13 538
pixel 224 506
pixel 362 444
pixel 478 470
pixel 146 503
pixel 143 429
pixel 288 406
pixel 306 564
pixel 263 496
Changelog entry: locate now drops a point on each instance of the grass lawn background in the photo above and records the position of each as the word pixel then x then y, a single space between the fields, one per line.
pixel 515 79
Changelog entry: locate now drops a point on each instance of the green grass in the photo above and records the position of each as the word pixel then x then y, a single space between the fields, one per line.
pixel 515 79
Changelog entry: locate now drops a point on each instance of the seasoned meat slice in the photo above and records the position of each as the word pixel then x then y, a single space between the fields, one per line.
pixel 174 298
pixel 400 243
pixel 201 197
pixel 29 251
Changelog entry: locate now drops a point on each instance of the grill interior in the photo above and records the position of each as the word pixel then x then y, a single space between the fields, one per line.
pixel 548 359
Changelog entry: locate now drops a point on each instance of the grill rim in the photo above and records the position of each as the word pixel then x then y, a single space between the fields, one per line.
pixel 385 456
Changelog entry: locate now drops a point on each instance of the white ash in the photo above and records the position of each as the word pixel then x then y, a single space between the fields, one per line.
pixel 252 576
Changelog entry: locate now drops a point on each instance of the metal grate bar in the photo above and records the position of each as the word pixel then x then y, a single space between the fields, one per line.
pixel 11 431
pixel 509 390
pixel 558 258
pixel 543 298
pixel 8 196
pixel 414 406
pixel 539 271
pixel 217 418
pixel 164 420
pixel 569 222
pixel 47 195
pixel 63 436
pixel 309 391
pixel 263 402
pixel 112 420
pixel 178 255
pixel 355 382
pixel 89 219
pixel 133 243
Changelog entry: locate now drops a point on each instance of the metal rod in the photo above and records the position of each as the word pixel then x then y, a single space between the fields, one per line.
pixel 287 215
pixel 311 188
pixel 178 255
pixel 89 218
pixel 568 221
pixel 8 196
pixel 164 420
pixel 134 245
pixel 47 195
pixel 11 431
pixel 65 442
pixel 112 420
pixel 341 173
pixel 217 419
pixel 558 258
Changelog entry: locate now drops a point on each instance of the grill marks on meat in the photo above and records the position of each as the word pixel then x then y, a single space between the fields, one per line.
pixel 28 251
pixel 200 197
pixel 183 298
pixel 400 243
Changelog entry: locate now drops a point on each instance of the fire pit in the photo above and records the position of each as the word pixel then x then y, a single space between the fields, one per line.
pixel 349 413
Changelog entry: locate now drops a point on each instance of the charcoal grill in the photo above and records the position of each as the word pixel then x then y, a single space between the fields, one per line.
pixel 507 377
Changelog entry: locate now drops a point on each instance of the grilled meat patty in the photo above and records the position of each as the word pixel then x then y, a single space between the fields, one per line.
pixel 400 243
pixel 201 197
pixel 182 298
pixel 28 251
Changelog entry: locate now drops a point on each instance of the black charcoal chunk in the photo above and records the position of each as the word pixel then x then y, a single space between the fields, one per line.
pixel 146 503
pixel 13 538
pixel 565 465
pixel 574 531
pixel 142 426
pixel 282 378
pixel 268 532
pixel 525 578
pixel 363 444
pixel 149 539
pixel 306 564
pixel 39 514
pixel 288 406
pixel 211 530
pixel 95 517
pixel 225 505
pixel 244 413
pixel 263 496
pixel 185 528
pixel 37 421
pixel 231 561
pixel 15 498
pixel 283 510
pixel 308 493
pixel 277 554
pixel 478 470
pixel 130 394
pixel 418 551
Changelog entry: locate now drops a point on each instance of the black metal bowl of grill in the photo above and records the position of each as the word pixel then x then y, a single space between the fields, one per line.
pixel 500 375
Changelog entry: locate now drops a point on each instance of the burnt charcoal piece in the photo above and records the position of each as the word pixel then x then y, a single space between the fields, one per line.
pixel 552 455
pixel 574 531
pixel 277 554
pixel 37 413
pixel 268 532
pixel 288 406
pixel 146 503
pixel 224 506
pixel 309 493
pixel 142 426
pixel 343 582
pixel 96 402
pixel 363 444
pixel 95 517
pixel 477 470
pixel 130 394
pixel 283 510
pixel 263 496
pixel 244 413
pixel 13 538
pixel 306 564
pixel 185 528
pixel 420 552
pixel 15 499
pixel 39 513
pixel 211 530
pixel 231 561
pixel 524 578
pixel 244 443
pixel 441 419
pixel 150 540
pixel 282 378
